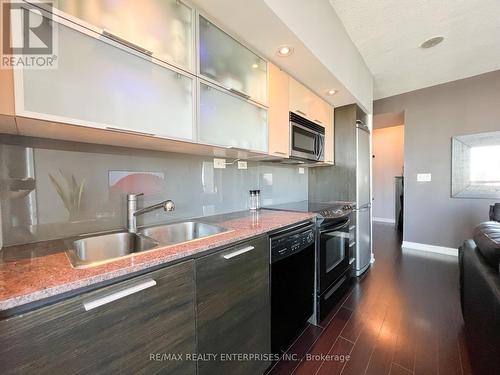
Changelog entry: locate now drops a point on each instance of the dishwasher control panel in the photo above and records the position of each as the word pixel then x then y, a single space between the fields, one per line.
pixel 288 244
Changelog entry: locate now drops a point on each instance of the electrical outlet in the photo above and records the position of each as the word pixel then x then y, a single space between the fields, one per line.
pixel 242 165
pixel 302 170
pixel 219 163
pixel 424 177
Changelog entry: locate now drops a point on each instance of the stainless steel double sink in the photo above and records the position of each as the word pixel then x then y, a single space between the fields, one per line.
pixel 91 251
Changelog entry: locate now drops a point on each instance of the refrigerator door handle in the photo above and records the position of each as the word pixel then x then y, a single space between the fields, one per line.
pixel 364 207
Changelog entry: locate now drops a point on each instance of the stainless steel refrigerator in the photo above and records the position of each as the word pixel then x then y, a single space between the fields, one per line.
pixel 363 198
pixel 349 179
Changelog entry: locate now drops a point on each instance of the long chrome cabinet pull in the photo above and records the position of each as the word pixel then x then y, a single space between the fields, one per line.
pixel 302 113
pixel 129 131
pixel 239 93
pixel 125 42
pixel 92 304
pixel 238 252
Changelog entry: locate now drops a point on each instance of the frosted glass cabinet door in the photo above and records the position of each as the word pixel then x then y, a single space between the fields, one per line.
pixel 98 84
pixel 226 61
pixel 228 120
pixel 164 27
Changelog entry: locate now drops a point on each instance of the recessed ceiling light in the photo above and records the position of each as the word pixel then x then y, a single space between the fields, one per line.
pixel 255 65
pixel 429 43
pixel 284 51
pixel 331 92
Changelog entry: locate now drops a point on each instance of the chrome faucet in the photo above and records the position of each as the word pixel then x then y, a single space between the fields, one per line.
pixel 133 212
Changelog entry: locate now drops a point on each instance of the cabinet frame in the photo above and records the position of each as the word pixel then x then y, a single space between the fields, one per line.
pixel 199 13
pixel 99 37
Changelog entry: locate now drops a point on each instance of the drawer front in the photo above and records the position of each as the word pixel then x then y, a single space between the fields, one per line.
pixel 94 334
pixel 232 289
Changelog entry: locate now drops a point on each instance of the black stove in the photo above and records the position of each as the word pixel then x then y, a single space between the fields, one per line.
pixel 327 210
pixel 333 243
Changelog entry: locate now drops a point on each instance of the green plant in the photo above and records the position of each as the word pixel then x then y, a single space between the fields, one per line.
pixel 70 192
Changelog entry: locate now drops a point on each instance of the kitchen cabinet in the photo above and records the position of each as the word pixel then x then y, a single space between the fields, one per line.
pixel 7 111
pixel 100 83
pixel 302 100
pixel 233 307
pixel 115 329
pixel 226 119
pixel 225 61
pixel 163 28
pixel 329 124
pixel 307 104
pixel 279 119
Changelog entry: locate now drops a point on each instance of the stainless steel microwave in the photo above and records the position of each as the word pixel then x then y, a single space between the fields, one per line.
pixel 307 139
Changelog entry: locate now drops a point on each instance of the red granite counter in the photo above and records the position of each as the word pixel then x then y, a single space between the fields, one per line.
pixel 32 272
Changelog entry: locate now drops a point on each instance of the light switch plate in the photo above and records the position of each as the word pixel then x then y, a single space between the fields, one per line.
pixel 302 170
pixel 242 165
pixel 219 163
pixel 424 177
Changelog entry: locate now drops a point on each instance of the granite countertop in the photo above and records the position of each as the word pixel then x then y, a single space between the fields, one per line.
pixel 30 273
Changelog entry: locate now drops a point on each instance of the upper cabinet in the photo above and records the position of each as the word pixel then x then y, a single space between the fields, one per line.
pixel 301 99
pixel 228 120
pixel 307 104
pixel 162 28
pixel 100 83
pixel 225 61
pixel 279 119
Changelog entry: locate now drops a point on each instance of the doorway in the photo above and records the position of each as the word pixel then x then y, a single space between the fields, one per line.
pixel 388 169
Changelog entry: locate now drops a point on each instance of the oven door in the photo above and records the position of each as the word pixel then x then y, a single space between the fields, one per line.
pixel 333 253
pixel 305 143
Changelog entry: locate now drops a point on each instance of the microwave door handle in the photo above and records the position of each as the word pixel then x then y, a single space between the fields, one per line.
pixel 319 148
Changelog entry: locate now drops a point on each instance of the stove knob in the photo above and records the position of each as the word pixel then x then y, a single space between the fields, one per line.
pixel 310 237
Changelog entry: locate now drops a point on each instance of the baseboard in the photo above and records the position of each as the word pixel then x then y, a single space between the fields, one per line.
pixel 430 248
pixel 384 220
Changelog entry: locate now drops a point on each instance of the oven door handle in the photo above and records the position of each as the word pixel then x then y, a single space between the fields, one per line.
pixel 336 228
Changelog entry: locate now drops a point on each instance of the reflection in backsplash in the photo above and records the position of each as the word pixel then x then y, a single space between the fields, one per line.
pixel 53 189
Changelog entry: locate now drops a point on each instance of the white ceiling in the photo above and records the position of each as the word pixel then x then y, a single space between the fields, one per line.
pixel 388 34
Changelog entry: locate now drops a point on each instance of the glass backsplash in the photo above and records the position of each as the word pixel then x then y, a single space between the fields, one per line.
pixel 54 189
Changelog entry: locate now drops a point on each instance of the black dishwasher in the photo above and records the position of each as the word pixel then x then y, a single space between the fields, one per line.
pixel 292 284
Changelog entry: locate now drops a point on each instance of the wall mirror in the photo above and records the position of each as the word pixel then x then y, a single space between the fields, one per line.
pixel 476 166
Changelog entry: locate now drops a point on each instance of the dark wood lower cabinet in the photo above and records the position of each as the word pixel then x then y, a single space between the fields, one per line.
pixel 129 335
pixel 233 308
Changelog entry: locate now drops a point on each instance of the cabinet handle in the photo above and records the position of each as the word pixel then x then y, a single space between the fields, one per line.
pixel 239 252
pixel 129 131
pixel 279 152
pixel 302 113
pixel 125 42
pixel 239 93
pixel 318 121
pixel 92 304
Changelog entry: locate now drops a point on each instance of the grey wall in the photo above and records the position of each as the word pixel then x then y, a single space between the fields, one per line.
pixel 190 181
pixel 432 116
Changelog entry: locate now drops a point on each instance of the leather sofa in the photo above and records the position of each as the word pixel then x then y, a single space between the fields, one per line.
pixel 479 262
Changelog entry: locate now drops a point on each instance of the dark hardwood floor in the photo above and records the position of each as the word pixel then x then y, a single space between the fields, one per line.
pixel 402 317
